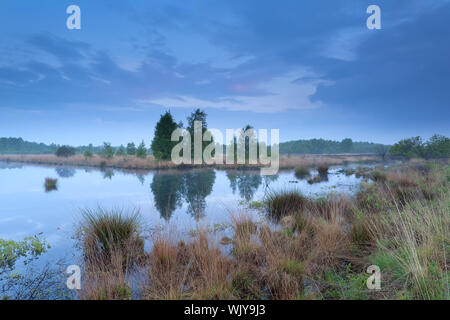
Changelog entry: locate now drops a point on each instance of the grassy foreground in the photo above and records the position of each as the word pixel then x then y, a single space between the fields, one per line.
pixel 306 249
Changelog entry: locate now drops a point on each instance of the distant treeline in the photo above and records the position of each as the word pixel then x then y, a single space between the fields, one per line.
pixel 321 146
pixel 20 146
pixel 436 147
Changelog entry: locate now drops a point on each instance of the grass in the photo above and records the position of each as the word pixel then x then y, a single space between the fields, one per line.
pixel 314 249
pixel 302 173
pixel 104 232
pixel 322 170
pixel 50 184
pixel 133 162
pixel 284 203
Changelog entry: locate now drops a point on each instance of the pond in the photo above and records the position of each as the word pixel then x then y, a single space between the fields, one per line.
pixel 183 198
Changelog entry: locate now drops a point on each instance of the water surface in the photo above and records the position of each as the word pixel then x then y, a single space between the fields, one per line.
pixel 183 198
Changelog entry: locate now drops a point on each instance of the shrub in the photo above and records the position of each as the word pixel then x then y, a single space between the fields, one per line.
pixel 301 172
pixel 323 170
pixel 50 184
pixel 65 151
pixel 88 154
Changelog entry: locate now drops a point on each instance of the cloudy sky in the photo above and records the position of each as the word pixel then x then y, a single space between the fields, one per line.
pixel 309 68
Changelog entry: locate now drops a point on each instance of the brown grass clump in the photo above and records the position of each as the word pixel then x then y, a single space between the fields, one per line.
pixel 324 245
pixel 194 270
pixel 330 245
pixel 283 203
pixel 302 172
pixel 50 184
pixel 322 170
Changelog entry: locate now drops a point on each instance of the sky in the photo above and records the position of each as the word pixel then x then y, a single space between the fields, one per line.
pixel 311 69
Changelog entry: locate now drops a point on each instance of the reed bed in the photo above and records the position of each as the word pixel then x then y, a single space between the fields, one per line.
pixel 132 162
pixel 316 248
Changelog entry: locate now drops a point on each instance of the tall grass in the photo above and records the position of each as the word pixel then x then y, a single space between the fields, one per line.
pixel 50 184
pixel 283 203
pixel 105 231
pixel 417 238
pixel 317 248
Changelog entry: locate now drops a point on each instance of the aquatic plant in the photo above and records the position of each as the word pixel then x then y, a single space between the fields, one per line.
pixel 50 184
pixel 284 202
pixel 301 172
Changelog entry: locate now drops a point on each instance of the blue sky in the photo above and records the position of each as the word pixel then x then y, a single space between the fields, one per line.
pixel 309 68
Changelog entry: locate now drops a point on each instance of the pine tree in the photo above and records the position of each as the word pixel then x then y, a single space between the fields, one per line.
pixel 131 149
pixel 121 151
pixel 141 151
pixel 162 145
pixel 197 115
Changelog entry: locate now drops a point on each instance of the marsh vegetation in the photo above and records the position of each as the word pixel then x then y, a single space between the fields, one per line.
pixel 308 249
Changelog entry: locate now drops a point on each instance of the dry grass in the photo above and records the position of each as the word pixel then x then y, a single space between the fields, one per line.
pixel 50 184
pixel 192 270
pixel 325 244
pixel 132 162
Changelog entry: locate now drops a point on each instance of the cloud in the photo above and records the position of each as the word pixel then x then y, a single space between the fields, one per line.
pixel 283 93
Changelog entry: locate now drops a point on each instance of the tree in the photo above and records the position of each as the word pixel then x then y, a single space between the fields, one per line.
pixel 162 144
pixel 409 148
pixel 88 154
pixel 108 151
pixel 141 151
pixel 131 149
pixel 382 151
pixel 65 151
pixel 437 147
pixel 347 145
pixel 245 141
pixel 197 115
pixel 121 151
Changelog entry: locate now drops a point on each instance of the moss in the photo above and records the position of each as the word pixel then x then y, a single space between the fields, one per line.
pixel 246 286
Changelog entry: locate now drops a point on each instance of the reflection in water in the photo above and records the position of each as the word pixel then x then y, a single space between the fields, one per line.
pixel 108 173
pixel 167 192
pixel 323 176
pixel 246 181
pixel 169 189
pixel 65 172
pixel 197 185
pixel 141 178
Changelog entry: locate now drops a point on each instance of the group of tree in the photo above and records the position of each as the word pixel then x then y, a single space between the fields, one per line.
pixel 436 147
pixel 20 146
pixel 162 143
pixel 65 151
pixel 321 146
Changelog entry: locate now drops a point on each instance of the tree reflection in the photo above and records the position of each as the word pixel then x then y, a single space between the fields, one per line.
pixel 65 172
pixel 197 185
pixel 170 189
pixel 246 181
pixel 108 173
pixel 167 191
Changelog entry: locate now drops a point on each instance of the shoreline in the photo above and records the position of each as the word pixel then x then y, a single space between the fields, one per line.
pixel 149 163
